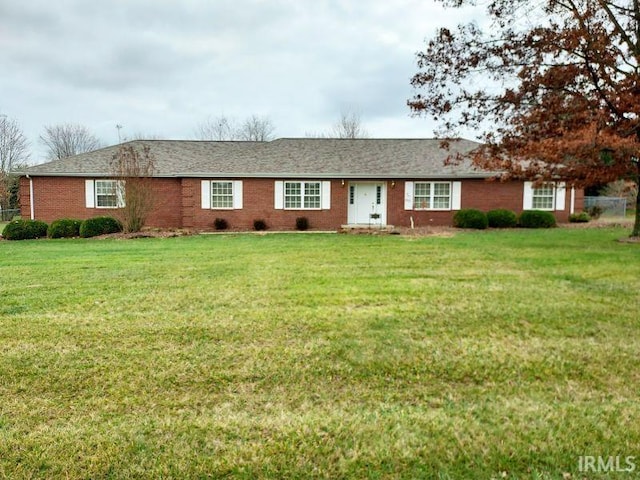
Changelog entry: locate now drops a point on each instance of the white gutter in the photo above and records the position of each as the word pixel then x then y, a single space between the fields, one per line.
pixel 32 208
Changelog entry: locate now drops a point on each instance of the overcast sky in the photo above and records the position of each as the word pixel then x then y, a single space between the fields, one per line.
pixel 160 67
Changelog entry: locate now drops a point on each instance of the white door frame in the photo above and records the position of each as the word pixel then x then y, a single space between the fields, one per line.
pixel 363 203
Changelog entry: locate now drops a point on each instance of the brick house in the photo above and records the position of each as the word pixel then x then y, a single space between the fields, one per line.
pixel 332 182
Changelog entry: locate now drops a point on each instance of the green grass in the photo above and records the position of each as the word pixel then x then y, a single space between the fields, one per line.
pixel 502 354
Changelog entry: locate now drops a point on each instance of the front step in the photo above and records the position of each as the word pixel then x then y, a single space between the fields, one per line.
pixel 366 228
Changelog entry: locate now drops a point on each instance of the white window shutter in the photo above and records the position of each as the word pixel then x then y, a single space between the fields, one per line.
pixel 456 195
pixel 326 195
pixel 89 194
pixel 237 194
pixel 120 193
pixel 527 201
pixel 561 193
pixel 205 194
pixel 278 202
pixel 408 195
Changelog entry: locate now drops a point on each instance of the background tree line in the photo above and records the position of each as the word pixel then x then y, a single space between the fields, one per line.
pixel 68 139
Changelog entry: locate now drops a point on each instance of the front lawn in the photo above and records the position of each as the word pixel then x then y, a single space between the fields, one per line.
pixel 501 354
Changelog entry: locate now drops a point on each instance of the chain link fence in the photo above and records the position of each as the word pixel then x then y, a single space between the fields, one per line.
pixel 7 215
pixel 606 206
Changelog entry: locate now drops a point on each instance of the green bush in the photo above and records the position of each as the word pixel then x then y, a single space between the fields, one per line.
pixel 259 225
pixel 595 211
pixel 536 219
pixel 470 218
pixel 302 223
pixel 64 228
pixel 582 217
pixel 220 224
pixel 25 230
pixel 501 218
pixel 95 226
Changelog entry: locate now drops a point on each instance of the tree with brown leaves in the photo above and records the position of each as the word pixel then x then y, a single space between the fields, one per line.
pixel 554 84
pixel 133 169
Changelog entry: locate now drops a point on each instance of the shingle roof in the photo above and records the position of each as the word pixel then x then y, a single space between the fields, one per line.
pixel 286 157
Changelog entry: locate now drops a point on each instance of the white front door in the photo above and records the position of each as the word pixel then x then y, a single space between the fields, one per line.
pixel 367 203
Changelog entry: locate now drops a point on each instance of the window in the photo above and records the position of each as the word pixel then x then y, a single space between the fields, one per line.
pixel 544 197
pixel 221 194
pixel 302 195
pixel 432 196
pixel 106 194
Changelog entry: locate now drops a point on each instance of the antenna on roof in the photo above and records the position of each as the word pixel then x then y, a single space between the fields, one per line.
pixel 119 127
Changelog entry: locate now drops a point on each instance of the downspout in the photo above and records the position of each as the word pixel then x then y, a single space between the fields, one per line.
pixel 572 208
pixel 32 208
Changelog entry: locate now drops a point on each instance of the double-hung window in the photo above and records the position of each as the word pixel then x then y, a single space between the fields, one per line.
pixel 432 195
pixel 543 198
pixel 302 195
pixel 550 196
pixel 104 193
pixel 107 193
pixel 222 195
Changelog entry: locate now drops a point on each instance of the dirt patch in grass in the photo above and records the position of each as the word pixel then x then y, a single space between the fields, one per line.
pixel 427 231
pixel 148 233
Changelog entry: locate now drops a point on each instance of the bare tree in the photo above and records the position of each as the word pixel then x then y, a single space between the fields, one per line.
pixel 223 128
pixel 218 128
pixel 256 129
pixel 349 126
pixel 67 139
pixel 134 170
pixel 13 154
pixel 143 136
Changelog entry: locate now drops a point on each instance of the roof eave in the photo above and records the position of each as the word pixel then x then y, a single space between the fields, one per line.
pixel 394 176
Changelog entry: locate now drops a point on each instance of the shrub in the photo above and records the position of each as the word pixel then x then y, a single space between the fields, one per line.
pixel 501 218
pixel 302 223
pixel 259 225
pixel 36 228
pixel 582 217
pixel 595 211
pixel 536 219
pixel 220 224
pixel 95 226
pixel 64 228
pixel 470 218
pixel 25 230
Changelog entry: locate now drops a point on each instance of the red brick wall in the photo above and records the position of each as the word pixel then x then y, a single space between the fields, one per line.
pixel 178 204
pixel 258 204
pixel 64 197
pixel 481 194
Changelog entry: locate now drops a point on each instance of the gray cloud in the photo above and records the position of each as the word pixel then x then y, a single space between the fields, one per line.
pixel 159 66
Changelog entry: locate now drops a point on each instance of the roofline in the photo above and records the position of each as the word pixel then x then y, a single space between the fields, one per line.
pixel 394 176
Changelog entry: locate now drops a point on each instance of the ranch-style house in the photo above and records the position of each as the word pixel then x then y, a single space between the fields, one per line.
pixel 334 183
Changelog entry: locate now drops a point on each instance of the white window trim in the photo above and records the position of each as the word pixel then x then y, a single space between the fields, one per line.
pixel 280 194
pixel 432 196
pixel 206 194
pixel 558 201
pixel 455 195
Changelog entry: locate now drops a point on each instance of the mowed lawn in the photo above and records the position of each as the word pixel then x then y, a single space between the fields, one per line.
pixel 502 354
